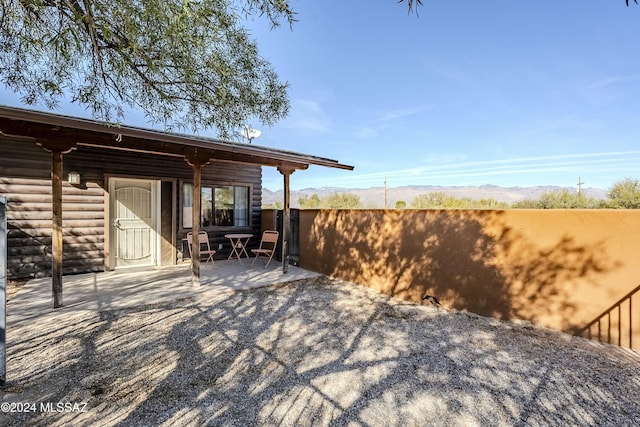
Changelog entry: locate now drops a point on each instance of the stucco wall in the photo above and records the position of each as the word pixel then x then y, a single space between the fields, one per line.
pixel 558 268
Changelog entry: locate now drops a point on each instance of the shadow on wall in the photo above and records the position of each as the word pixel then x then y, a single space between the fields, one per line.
pixel 29 221
pixel 471 260
pixel 30 253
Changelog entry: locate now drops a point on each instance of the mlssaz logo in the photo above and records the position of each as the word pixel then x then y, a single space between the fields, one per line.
pixel 63 407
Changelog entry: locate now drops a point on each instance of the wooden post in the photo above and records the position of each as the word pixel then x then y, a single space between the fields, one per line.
pixel 56 233
pixel 286 171
pixel 195 224
pixel 196 161
pixel 57 149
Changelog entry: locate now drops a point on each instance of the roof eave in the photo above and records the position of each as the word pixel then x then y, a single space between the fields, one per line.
pixel 121 134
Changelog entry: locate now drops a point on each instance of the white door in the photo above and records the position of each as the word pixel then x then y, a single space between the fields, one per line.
pixel 133 225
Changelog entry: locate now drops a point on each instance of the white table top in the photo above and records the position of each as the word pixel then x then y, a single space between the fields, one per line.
pixel 238 236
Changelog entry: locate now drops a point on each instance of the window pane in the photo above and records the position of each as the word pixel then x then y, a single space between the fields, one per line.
pixel 224 205
pixel 206 211
pixel 241 208
pixel 187 206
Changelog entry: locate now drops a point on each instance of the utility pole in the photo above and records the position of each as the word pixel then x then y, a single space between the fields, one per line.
pixel 385 192
pixel 580 184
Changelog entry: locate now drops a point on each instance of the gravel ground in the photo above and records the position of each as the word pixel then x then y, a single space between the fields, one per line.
pixel 313 352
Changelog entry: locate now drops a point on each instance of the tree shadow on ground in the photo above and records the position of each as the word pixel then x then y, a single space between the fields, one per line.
pixel 318 352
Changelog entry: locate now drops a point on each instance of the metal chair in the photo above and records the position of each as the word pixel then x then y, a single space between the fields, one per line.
pixel 203 240
pixel 267 246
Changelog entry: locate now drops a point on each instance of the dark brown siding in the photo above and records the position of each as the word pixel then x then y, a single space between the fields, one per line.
pixel 25 170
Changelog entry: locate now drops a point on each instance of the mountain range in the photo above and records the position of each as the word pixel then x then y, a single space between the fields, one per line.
pixel 374 197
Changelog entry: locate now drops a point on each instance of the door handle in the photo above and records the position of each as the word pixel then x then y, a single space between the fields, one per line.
pixel 116 223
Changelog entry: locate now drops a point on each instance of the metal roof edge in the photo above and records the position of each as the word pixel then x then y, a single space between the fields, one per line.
pixel 79 123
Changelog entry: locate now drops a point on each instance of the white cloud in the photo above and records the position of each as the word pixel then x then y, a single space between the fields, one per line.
pixel 610 81
pixel 393 115
pixel 511 170
pixel 309 115
pixel 387 120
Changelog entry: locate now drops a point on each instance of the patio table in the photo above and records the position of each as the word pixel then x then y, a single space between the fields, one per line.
pixel 239 243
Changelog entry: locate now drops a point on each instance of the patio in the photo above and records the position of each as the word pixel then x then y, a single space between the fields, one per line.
pixel 121 289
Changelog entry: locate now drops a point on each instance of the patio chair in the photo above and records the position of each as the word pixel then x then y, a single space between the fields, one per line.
pixel 267 246
pixel 205 249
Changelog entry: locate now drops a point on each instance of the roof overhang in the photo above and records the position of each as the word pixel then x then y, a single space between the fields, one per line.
pixel 45 126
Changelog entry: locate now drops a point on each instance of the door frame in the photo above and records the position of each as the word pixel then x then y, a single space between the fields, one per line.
pixel 110 240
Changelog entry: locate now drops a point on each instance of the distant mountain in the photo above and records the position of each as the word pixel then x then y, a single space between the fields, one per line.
pixel 374 197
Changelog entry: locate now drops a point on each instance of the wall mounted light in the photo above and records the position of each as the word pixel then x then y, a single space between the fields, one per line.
pixel 73 178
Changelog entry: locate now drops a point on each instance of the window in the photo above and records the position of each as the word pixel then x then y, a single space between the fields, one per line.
pixel 225 206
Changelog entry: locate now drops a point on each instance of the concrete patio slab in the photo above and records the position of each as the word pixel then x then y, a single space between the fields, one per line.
pixel 129 288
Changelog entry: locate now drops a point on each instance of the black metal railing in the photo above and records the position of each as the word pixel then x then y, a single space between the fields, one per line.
pixel 616 324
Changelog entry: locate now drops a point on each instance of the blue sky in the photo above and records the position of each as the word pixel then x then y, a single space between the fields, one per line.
pixel 467 93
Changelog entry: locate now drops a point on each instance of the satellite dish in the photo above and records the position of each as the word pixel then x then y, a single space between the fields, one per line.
pixel 250 133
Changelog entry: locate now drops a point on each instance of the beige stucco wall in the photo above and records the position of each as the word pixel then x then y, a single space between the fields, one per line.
pixel 558 268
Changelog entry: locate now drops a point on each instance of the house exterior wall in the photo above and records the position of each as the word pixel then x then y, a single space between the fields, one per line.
pixel 557 268
pixel 25 179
